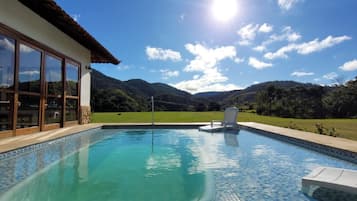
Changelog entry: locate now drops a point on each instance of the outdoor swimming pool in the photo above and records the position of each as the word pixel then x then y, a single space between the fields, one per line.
pixel 161 164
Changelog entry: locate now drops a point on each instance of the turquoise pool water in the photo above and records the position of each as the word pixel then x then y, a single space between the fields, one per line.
pixel 167 164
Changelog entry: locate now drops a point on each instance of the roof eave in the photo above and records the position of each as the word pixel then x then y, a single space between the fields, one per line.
pixel 55 15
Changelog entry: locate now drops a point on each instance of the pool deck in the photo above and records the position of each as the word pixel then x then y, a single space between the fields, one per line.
pixel 12 143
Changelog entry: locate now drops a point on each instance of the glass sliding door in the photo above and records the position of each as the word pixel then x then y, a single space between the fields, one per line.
pixel 72 94
pixel 53 90
pixel 7 66
pixel 29 86
pixel 39 87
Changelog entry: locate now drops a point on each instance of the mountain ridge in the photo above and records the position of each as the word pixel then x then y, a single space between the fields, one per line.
pixel 110 94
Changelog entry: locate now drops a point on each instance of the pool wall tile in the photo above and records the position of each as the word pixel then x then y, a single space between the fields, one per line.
pixel 17 165
pixel 331 151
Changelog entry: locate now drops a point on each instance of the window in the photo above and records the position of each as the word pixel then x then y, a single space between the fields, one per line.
pixel 38 86
pixel 6 107
pixel 53 71
pixel 53 110
pixel 71 109
pixel 7 59
pixel 28 111
pixel 29 69
pixel 29 80
pixel 72 77
pixel 54 89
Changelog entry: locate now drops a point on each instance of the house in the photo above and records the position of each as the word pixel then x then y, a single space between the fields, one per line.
pixel 45 59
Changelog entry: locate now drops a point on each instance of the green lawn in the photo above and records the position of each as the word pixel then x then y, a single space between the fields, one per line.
pixel 346 128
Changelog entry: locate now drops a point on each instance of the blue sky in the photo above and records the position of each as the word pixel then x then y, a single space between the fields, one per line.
pixel 195 46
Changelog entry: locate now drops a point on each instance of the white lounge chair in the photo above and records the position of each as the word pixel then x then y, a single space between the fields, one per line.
pixel 229 121
pixel 335 179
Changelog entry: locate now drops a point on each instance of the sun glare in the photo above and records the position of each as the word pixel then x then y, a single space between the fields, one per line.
pixel 224 10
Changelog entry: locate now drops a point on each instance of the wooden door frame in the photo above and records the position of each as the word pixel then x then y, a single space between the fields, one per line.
pixel 32 129
pixel 44 95
pixel 44 49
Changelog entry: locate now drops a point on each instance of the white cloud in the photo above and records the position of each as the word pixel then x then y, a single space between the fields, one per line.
pixel 238 60
pixel 166 73
pixel 248 33
pixel 307 47
pixel 330 76
pixel 76 17
pixel 287 34
pixel 256 82
pixel 5 43
pixel 317 79
pixel 301 73
pixel 30 73
pixel 207 58
pixel 287 4
pixel 349 66
pixel 293 37
pixel 123 67
pixel 206 62
pixel 281 53
pixel 162 54
pixel 200 85
pixel 260 48
pixel 255 63
pixel 25 49
pixel 182 17
pixel 265 28
pixel 244 42
pixel 316 45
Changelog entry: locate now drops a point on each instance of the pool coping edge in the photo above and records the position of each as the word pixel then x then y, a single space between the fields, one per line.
pixel 287 135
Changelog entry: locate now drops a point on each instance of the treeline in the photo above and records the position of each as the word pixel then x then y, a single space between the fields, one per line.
pixel 309 102
pixel 115 100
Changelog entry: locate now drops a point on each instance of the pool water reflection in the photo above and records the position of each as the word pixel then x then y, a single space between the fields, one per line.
pixel 174 164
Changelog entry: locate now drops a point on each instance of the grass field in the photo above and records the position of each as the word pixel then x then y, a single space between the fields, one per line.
pixel 346 128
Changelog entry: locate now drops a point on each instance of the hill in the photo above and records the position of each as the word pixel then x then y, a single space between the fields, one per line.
pixel 110 94
pixel 247 96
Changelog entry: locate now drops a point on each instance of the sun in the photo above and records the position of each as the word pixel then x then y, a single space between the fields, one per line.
pixel 224 10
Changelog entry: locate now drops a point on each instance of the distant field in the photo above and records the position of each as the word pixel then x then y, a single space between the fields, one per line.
pixel 346 128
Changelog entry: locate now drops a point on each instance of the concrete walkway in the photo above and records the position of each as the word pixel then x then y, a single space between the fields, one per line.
pixel 12 143
pixel 336 142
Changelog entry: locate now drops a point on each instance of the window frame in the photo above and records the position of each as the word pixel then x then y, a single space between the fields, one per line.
pixel 20 38
pixel 71 122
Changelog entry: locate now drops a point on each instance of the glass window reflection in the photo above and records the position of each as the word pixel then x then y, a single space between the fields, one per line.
pixel 7 58
pixel 53 110
pixel 6 116
pixel 72 79
pixel 29 69
pixel 71 109
pixel 53 71
pixel 28 111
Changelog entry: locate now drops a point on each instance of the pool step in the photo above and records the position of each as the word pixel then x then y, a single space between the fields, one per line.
pixel 229 197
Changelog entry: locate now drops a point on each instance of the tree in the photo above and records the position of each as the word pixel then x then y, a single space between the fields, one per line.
pixel 200 107
pixel 214 106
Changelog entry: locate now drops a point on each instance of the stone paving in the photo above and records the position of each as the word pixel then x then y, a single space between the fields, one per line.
pixel 336 142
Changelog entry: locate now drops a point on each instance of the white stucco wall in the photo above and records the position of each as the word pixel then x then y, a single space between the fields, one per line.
pixel 22 19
